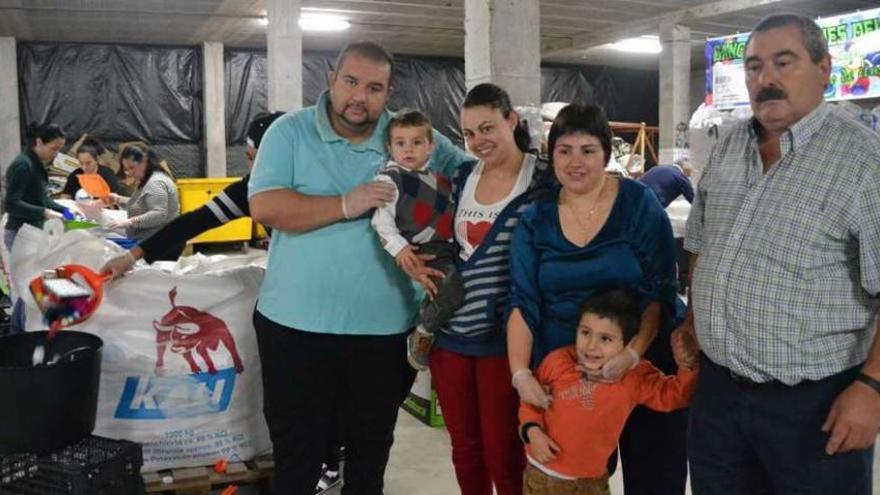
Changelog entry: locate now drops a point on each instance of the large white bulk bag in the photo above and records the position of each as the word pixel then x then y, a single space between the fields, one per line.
pixel 181 370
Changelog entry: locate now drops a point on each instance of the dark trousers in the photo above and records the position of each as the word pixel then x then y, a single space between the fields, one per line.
pixel 308 378
pixel 16 322
pixel 434 313
pixel 653 446
pixel 755 439
pixel 683 262
pixel 333 452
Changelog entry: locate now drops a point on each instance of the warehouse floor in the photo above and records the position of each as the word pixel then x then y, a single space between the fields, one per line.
pixel 421 465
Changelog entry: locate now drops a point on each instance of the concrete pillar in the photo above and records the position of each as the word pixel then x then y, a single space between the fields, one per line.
pixel 284 43
pixel 502 45
pixel 10 127
pixel 675 73
pixel 215 110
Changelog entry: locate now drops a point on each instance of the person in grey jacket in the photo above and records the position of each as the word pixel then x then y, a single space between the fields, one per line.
pixel 154 203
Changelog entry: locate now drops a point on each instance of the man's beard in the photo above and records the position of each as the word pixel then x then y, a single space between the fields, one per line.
pixel 360 126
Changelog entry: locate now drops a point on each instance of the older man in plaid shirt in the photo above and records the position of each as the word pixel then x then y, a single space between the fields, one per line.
pixel 785 236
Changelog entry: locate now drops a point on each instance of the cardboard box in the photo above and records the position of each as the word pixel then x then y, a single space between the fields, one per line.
pixel 422 401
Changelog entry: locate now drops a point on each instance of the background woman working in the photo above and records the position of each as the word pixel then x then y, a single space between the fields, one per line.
pixel 154 203
pixel 87 156
pixel 27 200
pixel 229 205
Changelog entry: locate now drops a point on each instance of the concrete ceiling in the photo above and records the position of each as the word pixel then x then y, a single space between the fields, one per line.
pixel 569 28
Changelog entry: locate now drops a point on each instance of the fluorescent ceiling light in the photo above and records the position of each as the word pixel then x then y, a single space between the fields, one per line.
pixel 322 22
pixel 642 44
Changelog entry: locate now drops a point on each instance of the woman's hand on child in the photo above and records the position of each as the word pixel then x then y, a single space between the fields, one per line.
pixel 529 390
pixel 414 266
pixel 407 259
pixel 615 368
pixel 543 448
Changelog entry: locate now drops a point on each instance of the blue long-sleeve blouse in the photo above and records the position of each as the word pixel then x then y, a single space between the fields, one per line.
pixel 551 277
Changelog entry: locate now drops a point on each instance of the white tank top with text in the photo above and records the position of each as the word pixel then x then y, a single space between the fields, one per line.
pixel 473 220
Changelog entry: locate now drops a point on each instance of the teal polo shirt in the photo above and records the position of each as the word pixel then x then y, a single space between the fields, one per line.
pixel 335 279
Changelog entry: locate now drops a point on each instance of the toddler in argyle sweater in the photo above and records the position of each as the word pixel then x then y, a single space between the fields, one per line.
pixel 418 221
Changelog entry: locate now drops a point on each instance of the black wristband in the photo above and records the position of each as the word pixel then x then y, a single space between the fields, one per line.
pixel 871 382
pixel 524 431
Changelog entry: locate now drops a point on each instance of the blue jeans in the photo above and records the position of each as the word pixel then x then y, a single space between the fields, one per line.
pixel 754 439
pixel 16 323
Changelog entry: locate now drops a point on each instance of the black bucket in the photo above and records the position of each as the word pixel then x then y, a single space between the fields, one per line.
pixel 44 408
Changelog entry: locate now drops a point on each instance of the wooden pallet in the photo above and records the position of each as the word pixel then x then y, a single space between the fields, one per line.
pixel 202 480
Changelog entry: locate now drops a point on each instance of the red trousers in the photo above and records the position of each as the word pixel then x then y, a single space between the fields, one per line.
pixel 480 407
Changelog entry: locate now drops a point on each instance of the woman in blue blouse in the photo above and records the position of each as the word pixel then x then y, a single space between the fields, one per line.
pixel 593 231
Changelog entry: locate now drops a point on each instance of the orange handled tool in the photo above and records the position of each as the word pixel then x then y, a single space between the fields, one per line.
pixel 68 295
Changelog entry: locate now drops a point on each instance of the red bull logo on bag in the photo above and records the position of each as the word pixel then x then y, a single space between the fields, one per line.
pixel 187 329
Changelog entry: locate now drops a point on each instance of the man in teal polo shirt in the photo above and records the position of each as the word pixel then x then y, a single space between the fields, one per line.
pixel 334 309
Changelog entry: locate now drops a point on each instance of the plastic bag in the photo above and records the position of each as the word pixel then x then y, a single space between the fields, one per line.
pixel 181 372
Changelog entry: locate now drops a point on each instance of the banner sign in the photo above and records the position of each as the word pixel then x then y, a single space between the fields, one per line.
pixel 725 72
pixel 854 43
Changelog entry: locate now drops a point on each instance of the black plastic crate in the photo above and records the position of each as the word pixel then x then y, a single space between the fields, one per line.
pixel 93 466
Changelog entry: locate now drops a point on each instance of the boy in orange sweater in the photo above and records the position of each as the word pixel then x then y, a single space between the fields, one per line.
pixel 568 444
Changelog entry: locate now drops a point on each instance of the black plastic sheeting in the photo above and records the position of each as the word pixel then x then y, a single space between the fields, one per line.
pixel 153 94
pixel 433 85
pixel 436 86
pixel 247 93
pixel 118 93
pixel 627 95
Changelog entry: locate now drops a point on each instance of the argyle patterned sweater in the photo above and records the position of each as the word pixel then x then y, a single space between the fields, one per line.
pixel 421 213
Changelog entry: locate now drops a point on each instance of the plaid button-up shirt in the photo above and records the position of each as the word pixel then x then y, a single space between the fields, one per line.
pixel 789 270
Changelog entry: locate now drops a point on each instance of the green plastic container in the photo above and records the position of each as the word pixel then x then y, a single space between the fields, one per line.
pixel 79 224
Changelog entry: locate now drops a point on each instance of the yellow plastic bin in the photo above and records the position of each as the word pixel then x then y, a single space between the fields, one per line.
pixel 260 231
pixel 196 192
